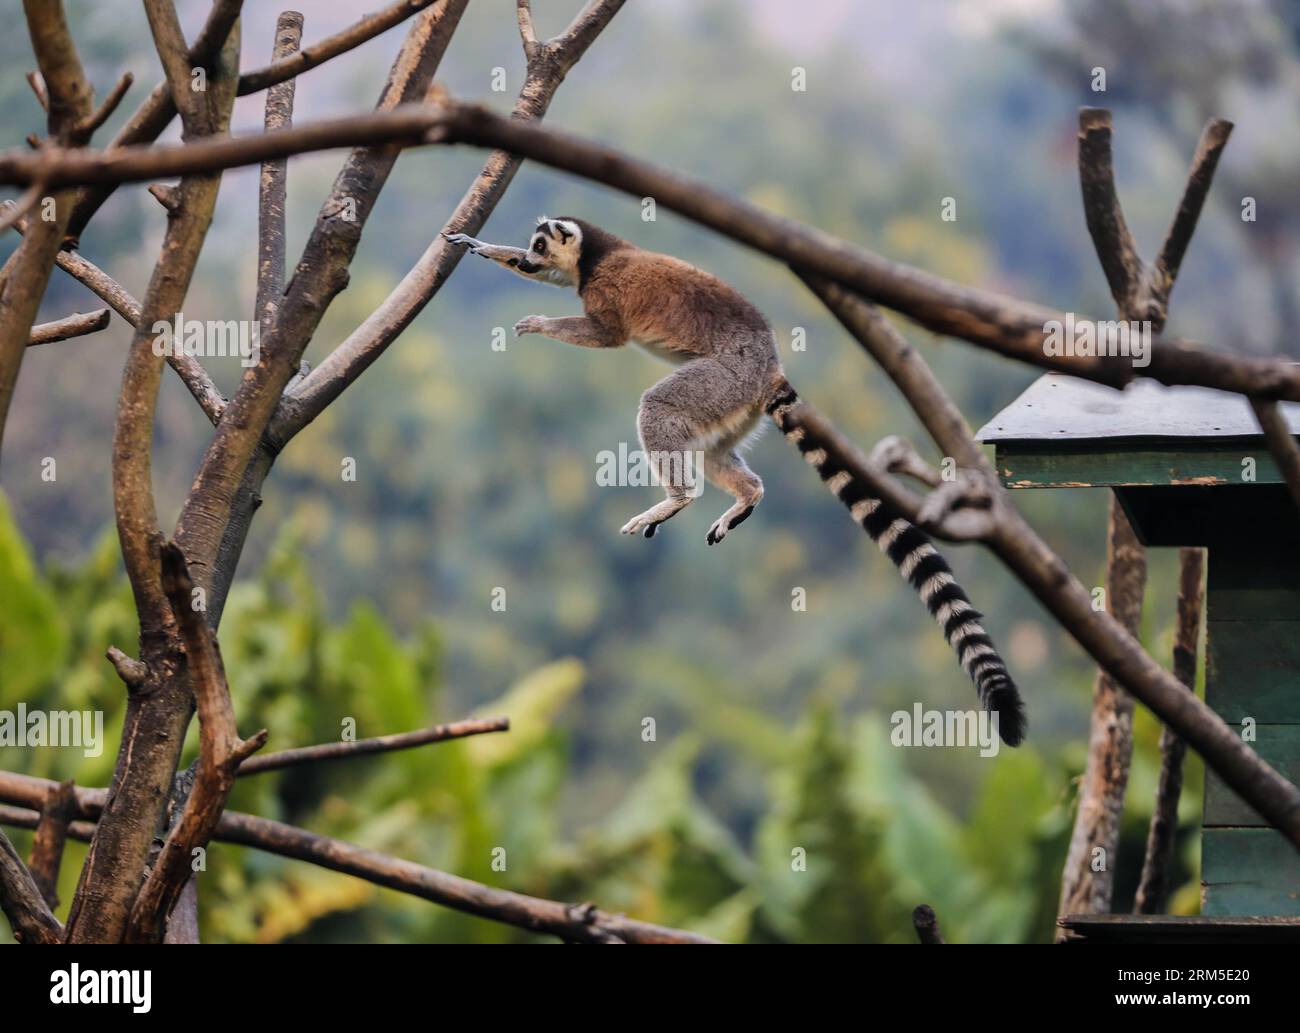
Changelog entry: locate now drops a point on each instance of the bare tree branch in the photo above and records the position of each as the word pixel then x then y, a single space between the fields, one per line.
pixel 547 64
pixel 70 326
pixel 1214 137
pixel 1105 216
pixel 321 274
pixel 1281 443
pixel 367 28
pixel 273 186
pixel 1087 887
pixel 174 53
pixel 37 84
pixel 158 712
pixel 1009 327
pixel 47 847
pixel 221 751
pixel 15 210
pixel 157 110
pixel 378 744
pixel 105 110
pixel 187 367
pixel 1153 886
pixel 21 900
pixel 580 923
pixel 26 273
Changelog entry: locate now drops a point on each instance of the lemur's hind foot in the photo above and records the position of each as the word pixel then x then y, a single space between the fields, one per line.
pixel 648 522
pixel 731 519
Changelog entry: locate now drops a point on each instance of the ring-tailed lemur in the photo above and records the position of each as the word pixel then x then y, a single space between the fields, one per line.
pixel 728 375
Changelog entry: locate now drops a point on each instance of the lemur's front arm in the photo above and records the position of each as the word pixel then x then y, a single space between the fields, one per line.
pixel 510 257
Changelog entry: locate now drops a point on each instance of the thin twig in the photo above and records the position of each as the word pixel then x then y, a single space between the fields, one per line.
pixel 378 744
pixel 37 84
pixel 105 111
pixel 69 327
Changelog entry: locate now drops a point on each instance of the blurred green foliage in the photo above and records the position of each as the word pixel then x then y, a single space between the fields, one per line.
pixel 850 839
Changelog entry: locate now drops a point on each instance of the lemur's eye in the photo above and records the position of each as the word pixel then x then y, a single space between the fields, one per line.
pixel 539 246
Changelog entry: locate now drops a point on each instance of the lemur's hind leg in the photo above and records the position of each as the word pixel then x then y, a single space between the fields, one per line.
pixel 725 468
pixel 692 410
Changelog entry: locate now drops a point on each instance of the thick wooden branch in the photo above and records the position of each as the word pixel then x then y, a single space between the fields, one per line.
pixel 157 110
pixel 1004 325
pixel 378 744
pixel 221 752
pixel 47 846
pixel 1281 443
pixel 1088 879
pixel 21 900
pixel 174 53
pixel 1153 885
pixel 158 712
pixel 579 923
pixel 27 272
pixel 273 187
pixel 1105 216
pixel 547 65
pixel 69 327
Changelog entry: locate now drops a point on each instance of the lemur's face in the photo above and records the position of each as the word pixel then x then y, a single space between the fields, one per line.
pixel 553 252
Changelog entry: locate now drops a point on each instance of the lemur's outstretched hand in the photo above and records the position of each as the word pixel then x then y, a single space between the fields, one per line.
pixel 511 257
pixel 464 238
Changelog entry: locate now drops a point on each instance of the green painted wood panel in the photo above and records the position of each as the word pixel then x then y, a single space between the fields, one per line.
pixel 1253 584
pixel 1253 670
pixel 1249 872
pixel 1279 746
pixel 1064 465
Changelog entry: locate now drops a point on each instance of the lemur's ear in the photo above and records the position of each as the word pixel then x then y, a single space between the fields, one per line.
pixel 564 234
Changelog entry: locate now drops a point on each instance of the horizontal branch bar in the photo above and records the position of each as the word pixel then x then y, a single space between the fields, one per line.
pixel 376 744
pixel 581 923
pixel 68 327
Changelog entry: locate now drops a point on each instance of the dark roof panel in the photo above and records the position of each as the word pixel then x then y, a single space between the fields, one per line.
pixel 1060 408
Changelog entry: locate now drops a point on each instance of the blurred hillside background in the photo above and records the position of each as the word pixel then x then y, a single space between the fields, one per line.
pixel 476 469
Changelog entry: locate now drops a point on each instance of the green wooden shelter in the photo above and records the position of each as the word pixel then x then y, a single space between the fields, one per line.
pixel 1190 468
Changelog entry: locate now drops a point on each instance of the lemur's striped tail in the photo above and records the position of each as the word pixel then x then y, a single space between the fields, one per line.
pixel 919 562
